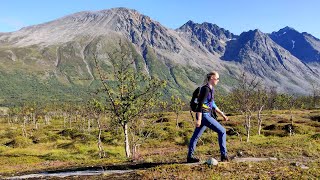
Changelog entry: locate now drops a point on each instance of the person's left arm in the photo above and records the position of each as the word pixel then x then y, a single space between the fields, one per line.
pixel 219 111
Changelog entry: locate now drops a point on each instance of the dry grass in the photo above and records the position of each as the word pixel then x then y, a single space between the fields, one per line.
pixel 168 144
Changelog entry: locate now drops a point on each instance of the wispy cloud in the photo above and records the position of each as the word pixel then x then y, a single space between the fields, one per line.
pixel 10 24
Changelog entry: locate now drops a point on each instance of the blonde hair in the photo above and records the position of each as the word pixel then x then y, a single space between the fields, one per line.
pixel 208 77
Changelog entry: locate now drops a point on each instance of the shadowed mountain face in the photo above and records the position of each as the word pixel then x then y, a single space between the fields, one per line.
pixel 261 56
pixel 54 60
pixel 302 45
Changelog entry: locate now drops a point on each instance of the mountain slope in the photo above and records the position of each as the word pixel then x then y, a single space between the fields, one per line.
pixel 302 45
pixel 261 56
pixel 60 54
pixel 211 36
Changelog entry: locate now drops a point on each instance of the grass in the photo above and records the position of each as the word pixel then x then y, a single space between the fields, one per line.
pixel 53 147
pixel 245 170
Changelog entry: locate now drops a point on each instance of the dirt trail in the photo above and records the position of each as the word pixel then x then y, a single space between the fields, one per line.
pixel 116 169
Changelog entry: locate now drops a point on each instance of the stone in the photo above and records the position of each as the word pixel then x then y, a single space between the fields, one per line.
pixel 212 161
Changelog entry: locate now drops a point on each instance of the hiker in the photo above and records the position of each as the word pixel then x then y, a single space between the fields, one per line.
pixel 204 118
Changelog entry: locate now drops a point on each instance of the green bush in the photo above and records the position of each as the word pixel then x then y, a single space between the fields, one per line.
pixel 52 136
pixel 84 138
pixel 171 132
pixel 68 133
pixel 12 133
pixel 110 138
pixel 316 136
pixel 301 129
pixel 20 142
pixel 159 134
pixel 39 137
pixel 67 145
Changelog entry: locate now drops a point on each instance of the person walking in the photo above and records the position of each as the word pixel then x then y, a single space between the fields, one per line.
pixel 204 118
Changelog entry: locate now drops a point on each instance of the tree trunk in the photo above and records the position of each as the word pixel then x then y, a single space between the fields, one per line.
pixel 248 125
pixel 89 124
pixel 126 140
pixel 9 117
pixel 70 120
pixel 64 121
pixel 177 124
pixel 259 120
pixel 102 154
pixel 24 131
pixel 291 127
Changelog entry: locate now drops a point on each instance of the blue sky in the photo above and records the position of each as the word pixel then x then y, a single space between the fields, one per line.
pixel 234 15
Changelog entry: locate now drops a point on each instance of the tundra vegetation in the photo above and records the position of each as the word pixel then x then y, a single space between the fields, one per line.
pixel 127 122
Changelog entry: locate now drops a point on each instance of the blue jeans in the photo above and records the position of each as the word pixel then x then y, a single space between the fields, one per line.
pixel 208 121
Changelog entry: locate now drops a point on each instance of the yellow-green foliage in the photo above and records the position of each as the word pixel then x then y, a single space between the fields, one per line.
pixel 20 142
pixel 51 144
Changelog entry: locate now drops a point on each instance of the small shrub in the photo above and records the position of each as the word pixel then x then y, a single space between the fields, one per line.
pixel 270 127
pixel 302 129
pixel 68 133
pixel 12 133
pixel 182 141
pixel 161 120
pixel 315 118
pixel 182 124
pixel 3 148
pixel 110 139
pixel 148 160
pixel 171 132
pixel 39 137
pixel 84 138
pixel 20 142
pixel 68 145
pixel 284 120
pixel 52 136
pixel 316 136
pixel 278 133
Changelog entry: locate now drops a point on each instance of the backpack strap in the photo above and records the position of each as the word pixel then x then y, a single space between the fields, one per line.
pixel 209 90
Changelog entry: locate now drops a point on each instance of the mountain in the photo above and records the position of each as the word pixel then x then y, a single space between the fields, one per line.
pixel 53 61
pixel 211 36
pixel 264 58
pixel 302 45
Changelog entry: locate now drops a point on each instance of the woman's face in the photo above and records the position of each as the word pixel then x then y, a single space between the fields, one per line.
pixel 214 79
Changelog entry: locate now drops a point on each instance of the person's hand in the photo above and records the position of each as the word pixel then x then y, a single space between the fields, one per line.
pixel 198 123
pixel 225 118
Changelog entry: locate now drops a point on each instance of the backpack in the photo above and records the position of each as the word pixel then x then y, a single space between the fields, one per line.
pixel 194 102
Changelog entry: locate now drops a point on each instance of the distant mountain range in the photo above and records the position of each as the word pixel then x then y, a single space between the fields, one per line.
pixel 53 61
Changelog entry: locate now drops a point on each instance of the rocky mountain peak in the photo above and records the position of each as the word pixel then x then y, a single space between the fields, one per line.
pixel 286 31
pixel 287 28
pixel 193 27
pixel 62 48
pixel 138 28
pixel 210 36
pixel 252 35
pixel 302 45
pixel 256 49
pixel 252 44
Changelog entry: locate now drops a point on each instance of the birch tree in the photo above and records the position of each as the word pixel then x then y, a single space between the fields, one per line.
pixel 128 92
pixel 176 107
pixel 261 102
pixel 244 98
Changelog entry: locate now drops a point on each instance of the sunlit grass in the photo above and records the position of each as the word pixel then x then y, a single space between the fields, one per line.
pixel 49 147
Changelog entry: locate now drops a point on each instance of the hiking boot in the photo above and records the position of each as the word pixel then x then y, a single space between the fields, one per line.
pixel 225 158
pixel 192 160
